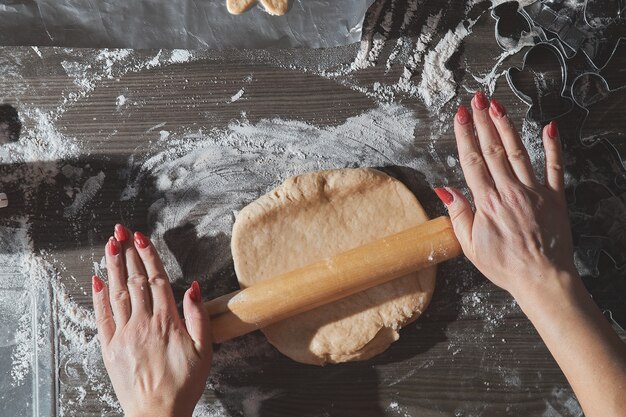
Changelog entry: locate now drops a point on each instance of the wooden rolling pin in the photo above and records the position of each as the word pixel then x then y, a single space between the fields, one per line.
pixel 331 279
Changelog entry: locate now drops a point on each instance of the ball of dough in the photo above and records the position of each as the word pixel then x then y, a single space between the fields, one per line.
pixel 317 215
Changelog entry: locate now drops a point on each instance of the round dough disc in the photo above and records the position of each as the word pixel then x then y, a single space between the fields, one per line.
pixel 315 216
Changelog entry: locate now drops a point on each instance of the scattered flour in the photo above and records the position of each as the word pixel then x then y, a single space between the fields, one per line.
pixel 437 85
pixel 237 95
pixel 120 101
pixel 218 172
pixel 89 190
pixel 179 56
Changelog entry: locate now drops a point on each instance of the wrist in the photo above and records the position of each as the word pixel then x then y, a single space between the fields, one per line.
pixel 552 285
pixel 160 412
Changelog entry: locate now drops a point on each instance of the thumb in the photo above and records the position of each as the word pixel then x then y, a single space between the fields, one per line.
pixel 460 212
pixel 197 318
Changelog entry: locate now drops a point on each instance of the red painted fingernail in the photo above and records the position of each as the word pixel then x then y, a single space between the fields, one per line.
pixel 194 294
pixel 462 115
pixel 141 240
pixel 444 195
pixel 481 100
pixel 97 283
pixel 497 108
pixel 553 129
pixel 121 234
pixel 113 247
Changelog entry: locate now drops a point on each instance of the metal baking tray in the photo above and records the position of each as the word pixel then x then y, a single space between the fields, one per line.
pixel 28 346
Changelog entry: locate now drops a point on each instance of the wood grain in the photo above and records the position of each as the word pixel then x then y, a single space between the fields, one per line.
pixel 485 359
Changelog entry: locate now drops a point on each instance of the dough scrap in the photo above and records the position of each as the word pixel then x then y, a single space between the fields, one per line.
pixel 273 7
pixel 317 215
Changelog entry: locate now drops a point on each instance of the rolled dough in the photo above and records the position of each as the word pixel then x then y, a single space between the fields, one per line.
pixel 315 216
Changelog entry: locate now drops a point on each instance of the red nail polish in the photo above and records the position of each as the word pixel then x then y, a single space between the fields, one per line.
pixel 481 100
pixel 497 108
pixel 141 240
pixel 444 195
pixel 553 129
pixel 194 294
pixel 97 283
pixel 121 234
pixel 462 115
pixel 113 247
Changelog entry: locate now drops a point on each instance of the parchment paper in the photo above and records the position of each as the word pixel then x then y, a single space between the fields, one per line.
pixel 186 24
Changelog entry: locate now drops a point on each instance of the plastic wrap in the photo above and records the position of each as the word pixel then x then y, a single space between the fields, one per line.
pixel 185 24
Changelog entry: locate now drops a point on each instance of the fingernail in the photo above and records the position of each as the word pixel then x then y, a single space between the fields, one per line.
pixel 121 234
pixel 194 294
pixel 97 283
pixel 141 240
pixel 113 247
pixel 444 195
pixel 481 100
pixel 497 108
pixel 553 130
pixel 462 115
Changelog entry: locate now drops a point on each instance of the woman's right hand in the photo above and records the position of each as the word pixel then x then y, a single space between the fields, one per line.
pixel 519 235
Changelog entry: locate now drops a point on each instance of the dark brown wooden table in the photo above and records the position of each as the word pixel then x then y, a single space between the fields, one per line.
pixel 473 352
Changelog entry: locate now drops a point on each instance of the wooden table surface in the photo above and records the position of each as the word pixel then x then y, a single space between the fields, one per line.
pixel 472 353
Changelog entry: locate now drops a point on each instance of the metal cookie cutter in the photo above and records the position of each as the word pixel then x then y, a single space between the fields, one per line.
pixel 511 26
pixel 609 315
pixel 591 92
pixel 598 226
pixel 559 18
pixel 541 83
pixel 614 72
pixel 591 26
pixel 603 13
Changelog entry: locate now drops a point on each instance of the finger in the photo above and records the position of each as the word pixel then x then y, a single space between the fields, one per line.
pixel 461 215
pixel 160 289
pixel 554 176
pixel 118 291
pixel 140 297
pixel 472 162
pixel 489 140
pixel 122 234
pixel 516 152
pixel 197 319
pixel 102 309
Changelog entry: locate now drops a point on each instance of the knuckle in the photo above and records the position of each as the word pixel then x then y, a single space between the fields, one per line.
pixel 493 149
pixel 472 159
pixel 517 155
pixel 103 321
pixel 555 167
pixel 456 216
pixel 163 322
pixel 466 133
pixel 158 280
pixel 514 197
pixel 119 296
pixel 137 280
pixel 491 201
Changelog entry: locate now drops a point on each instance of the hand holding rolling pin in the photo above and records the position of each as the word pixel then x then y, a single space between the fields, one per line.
pixel 519 237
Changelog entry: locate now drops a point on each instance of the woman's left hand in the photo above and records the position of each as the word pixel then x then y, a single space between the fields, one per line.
pixel 158 363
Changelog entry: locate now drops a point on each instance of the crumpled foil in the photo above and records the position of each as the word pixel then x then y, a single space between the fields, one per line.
pixel 172 24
